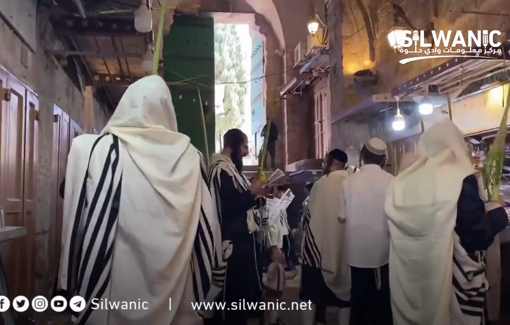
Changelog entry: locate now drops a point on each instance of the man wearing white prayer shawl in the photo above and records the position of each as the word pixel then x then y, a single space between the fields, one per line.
pixel 325 278
pixel 440 229
pixel 237 200
pixel 367 236
pixel 139 220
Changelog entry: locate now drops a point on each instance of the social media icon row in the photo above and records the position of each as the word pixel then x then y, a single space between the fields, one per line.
pixel 40 304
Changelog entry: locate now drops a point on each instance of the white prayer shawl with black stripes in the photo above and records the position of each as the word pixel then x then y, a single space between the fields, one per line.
pixel 470 286
pixel 219 163
pixel 310 254
pixel 139 221
pixel 323 242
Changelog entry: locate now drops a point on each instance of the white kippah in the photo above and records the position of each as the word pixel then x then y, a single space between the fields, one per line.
pixel 376 146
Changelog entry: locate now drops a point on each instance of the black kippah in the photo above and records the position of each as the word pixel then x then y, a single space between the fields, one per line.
pixel 338 155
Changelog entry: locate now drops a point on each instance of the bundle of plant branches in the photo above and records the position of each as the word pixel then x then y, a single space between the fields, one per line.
pixel 493 167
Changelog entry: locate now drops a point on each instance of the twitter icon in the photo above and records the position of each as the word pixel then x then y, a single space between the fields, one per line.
pixel 20 304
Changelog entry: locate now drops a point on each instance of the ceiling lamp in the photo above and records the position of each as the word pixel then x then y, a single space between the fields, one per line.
pixel 143 19
pixel 432 98
pixel 399 122
pixel 397 36
pixel 426 107
pixel 313 26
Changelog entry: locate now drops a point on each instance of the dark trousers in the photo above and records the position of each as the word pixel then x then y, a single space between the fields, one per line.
pixel 288 249
pixel 370 305
pixel 271 149
pixel 243 282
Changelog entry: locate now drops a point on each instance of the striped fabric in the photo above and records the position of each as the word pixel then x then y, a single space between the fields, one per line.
pixel 93 232
pixel 204 256
pixel 310 254
pixel 470 285
pixel 221 163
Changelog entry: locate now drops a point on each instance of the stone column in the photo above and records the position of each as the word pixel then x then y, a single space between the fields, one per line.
pixel 336 70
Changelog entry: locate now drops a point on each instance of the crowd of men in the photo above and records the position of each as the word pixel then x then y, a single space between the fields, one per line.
pixel 145 219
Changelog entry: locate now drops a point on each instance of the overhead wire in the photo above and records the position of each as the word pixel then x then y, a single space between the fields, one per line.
pixel 223 83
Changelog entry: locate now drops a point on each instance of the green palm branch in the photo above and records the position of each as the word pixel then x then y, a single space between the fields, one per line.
pixel 493 167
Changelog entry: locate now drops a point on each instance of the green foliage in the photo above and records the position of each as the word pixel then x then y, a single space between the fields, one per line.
pixel 228 57
pixel 493 167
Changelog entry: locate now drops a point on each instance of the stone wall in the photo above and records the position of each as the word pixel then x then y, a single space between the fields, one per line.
pixel 445 14
pixel 52 86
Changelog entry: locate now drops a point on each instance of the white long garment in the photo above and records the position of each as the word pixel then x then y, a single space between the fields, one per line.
pixel 327 234
pixel 425 253
pixel 161 241
pixel 367 235
pixel 278 231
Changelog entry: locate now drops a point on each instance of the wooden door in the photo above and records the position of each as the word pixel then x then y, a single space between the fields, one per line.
pixel 61 146
pixel 11 183
pixel 76 130
pixel 31 144
pixel 189 51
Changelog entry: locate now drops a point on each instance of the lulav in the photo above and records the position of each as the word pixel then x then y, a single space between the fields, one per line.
pixel 493 167
pixel 159 38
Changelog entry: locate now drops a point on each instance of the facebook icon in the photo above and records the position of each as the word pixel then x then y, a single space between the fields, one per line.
pixel 4 304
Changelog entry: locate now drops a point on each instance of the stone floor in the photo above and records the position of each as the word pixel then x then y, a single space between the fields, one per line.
pixel 291 294
pixel 294 318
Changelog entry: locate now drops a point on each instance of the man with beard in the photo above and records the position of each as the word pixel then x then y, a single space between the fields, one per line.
pixel 237 200
pixel 325 279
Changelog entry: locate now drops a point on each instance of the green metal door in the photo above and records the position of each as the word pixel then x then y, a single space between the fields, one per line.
pixel 188 57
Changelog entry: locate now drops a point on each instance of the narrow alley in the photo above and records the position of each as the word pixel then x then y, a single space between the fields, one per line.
pixel 166 161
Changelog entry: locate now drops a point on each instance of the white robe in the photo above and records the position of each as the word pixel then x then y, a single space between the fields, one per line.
pixel 278 231
pixel 166 231
pixel 328 234
pixel 425 252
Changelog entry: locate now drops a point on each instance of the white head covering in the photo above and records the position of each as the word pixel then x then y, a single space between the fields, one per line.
pixel 421 205
pixel 376 146
pixel 440 170
pixel 146 124
pixel 153 169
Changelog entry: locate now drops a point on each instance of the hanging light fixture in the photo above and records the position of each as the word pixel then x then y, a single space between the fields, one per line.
pixel 143 19
pixel 425 107
pixel 399 122
pixel 313 25
pixel 397 36
pixel 433 98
